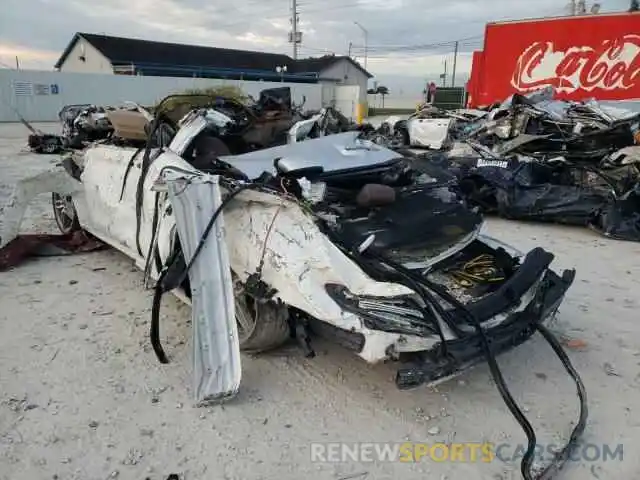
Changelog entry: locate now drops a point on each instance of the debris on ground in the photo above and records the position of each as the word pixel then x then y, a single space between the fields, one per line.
pixel 46 245
pixel 610 370
pixel 574 343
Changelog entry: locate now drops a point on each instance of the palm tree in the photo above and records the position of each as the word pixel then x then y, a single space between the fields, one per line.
pixel 382 91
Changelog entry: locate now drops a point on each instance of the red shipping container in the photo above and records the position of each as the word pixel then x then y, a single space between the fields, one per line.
pixel 590 56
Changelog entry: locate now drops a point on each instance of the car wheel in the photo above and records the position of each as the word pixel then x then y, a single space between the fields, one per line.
pixel 400 138
pixel 261 326
pixel 65 213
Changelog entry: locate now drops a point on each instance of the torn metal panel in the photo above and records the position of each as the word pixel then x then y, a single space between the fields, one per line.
pixel 620 217
pixel 625 156
pixel 332 152
pixel 191 127
pixel 471 113
pixel 216 348
pixel 609 112
pixel 302 129
pixel 428 132
pixel 515 143
pixel 299 259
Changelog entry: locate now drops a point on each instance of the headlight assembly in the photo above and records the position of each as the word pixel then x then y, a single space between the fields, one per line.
pixel 404 314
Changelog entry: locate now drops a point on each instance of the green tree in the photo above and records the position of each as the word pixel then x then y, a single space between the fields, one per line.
pixel 382 91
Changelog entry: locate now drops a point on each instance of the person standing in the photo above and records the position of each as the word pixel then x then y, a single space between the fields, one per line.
pixel 431 92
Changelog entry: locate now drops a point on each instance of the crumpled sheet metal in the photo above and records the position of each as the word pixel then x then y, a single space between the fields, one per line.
pixel 519 191
pixel 562 204
pixel 620 217
pixel 513 190
pixel 577 141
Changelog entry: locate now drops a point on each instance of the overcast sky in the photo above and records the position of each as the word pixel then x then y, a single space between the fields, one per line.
pixel 36 31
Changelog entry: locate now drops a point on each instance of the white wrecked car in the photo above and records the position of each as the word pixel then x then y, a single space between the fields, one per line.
pixel 418 130
pixel 429 127
pixel 333 235
pixel 336 236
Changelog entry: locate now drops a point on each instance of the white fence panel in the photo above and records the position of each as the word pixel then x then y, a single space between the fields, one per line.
pixel 39 95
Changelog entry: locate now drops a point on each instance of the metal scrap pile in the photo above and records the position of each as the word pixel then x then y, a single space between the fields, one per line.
pixel 535 158
pixel 81 124
pixel 242 126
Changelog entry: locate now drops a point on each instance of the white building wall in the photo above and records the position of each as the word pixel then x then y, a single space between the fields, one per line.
pixel 343 72
pixel 39 95
pixel 94 61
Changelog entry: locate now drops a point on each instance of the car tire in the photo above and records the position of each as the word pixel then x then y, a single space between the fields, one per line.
pixel 269 326
pixel 65 214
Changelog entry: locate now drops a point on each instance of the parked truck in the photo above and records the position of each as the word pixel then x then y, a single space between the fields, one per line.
pixel 587 56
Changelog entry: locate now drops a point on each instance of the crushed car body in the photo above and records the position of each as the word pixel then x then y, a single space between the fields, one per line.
pixel 243 126
pixel 330 234
pixel 429 127
pixel 81 124
pixel 334 231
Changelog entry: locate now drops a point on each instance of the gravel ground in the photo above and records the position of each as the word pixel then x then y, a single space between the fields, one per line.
pixel 82 396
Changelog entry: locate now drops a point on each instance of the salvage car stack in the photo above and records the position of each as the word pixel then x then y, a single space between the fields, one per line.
pixel 536 158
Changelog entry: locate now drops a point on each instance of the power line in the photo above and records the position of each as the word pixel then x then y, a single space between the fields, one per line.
pixel 419 47
pixel 468 41
pixel 472 43
pixel 316 49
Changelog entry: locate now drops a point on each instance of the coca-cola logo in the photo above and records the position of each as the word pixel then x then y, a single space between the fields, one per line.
pixel 613 65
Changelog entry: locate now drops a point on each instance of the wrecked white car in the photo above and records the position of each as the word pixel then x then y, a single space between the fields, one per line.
pixel 427 128
pixel 335 231
pixel 335 236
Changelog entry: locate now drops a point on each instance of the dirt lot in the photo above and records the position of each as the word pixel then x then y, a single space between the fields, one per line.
pixel 83 397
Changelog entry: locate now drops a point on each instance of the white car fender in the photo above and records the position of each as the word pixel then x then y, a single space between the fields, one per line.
pixel 299 260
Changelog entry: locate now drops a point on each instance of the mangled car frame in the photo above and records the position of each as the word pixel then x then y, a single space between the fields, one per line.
pixel 536 158
pixel 335 236
pixel 245 125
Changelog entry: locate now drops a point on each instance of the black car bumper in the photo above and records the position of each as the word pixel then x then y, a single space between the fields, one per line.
pixel 431 366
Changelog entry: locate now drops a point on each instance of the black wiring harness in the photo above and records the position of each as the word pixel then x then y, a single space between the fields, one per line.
pixel 428 291
pixel 176 271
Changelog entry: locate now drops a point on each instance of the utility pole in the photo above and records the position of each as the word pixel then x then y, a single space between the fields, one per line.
pixel 295 36
pixel 366 42
pixel 455 61
pixel 350 45
pixel 444 75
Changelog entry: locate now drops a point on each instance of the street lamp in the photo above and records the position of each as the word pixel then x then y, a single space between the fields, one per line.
pixel 366 42
pixel 281 70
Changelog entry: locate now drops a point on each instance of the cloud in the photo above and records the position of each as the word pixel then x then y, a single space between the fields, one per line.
pixel 28 57
pixel 38 30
